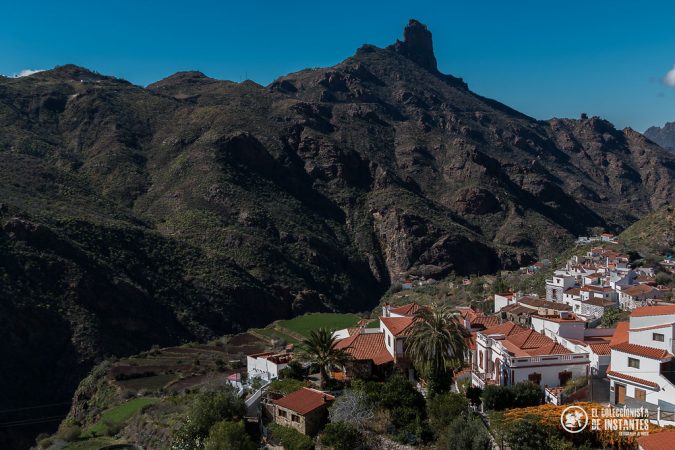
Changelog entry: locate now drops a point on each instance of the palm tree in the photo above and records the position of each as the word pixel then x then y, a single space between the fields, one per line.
pixel 436 343
pixel 319 348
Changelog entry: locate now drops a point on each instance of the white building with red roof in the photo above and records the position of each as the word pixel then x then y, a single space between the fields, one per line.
pixel 570 330
pixel 509 353
pixel 642 370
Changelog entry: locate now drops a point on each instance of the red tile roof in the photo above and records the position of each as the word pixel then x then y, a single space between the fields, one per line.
pixel 623 376
pixel 304 400
pixel 639 289
pixel 526 342
pixel 641 350
pixel 621 333
pixel 654 327
pixel 484 322
pixel 600 349
pixel 406 310
pixel 506 328
pixel 598 301
pixel 366 346
pixel 664 440
pixel 398 326
pixel 661 310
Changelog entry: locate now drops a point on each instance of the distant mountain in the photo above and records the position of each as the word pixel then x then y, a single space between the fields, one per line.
pixel 664 136
pixel 194 207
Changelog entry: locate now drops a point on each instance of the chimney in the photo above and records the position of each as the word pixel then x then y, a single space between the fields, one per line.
pixel 385 310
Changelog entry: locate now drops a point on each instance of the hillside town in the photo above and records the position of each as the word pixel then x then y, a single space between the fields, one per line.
pixel 558 343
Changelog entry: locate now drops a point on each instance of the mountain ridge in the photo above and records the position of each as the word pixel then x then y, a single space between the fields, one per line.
pixel 664 136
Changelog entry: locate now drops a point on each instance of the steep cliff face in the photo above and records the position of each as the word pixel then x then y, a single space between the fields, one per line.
pixel 193 207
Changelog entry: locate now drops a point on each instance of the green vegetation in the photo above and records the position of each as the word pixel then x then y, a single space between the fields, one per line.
pixel 90 444
pixel 464 432
pixel 437 328
pixel 652 236
pixel 612 316
pixel 319 348
pixel 228 436
pixel 206 410
pixel 304 325
pixel 114 418
pixel 274 333
pixel 289 438
pixel 520 395
pixel 341 436
pixel 286 386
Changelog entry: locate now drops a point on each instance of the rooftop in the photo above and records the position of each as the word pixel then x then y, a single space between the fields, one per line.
pixel 406 310
pixel 304 401
pixel 366 346
pixel 398 326
pixel 642 350
pixel 645 311
pixel 623 376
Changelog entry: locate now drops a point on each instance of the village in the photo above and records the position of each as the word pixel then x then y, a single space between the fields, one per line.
pixel 603 333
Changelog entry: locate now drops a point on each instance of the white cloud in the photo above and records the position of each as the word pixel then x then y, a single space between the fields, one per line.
pixel 28 72
pixel 669 79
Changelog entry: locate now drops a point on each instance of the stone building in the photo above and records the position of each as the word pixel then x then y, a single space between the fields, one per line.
pixel 305 410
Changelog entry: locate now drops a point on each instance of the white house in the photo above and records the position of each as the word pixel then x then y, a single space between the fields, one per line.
pixel 267 365
pixel 504 299
pixel 509 353
pixel 570 330
pixel 632 297
pixel 642 371
pixel 561 281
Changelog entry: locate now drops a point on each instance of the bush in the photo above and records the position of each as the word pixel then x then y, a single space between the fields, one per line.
pixel 207 409
pixel 228 436
pixel 465 433
pixel 526 394
pixel 407 408
pixel 443 409
pixel 293 370
pixel 112 427
pixel 341 436
pixel 352 407
pixel 474 393
pixel 527 434
pixel 289 438
pixel 497 397
pixel 70 433
pixel 285 386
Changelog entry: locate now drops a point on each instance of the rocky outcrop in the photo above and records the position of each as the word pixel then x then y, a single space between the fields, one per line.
pixel 664 136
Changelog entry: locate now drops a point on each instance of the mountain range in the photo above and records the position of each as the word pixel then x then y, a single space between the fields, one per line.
pixel 133 216
pixel 664 136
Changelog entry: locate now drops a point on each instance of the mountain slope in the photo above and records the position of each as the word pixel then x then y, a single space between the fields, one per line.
pixel 653 235
pixel 664 136
pixel 133 216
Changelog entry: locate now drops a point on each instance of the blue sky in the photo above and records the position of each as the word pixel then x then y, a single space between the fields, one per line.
pixel 546 59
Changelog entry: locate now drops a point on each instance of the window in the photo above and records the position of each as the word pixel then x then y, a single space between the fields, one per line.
pixel 295 418
pixel 480 359
pixel 640 394
pixel 389 340
pixel 634 363
pixel 534 377
pixel 282 413
pixel 657 337
pixel 564 377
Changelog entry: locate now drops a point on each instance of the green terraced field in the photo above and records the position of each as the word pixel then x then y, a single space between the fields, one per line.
pixel 333 321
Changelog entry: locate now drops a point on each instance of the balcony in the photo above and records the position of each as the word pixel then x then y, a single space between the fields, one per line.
pixel 515 362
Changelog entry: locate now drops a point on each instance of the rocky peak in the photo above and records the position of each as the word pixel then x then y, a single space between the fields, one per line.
pixel 417 45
